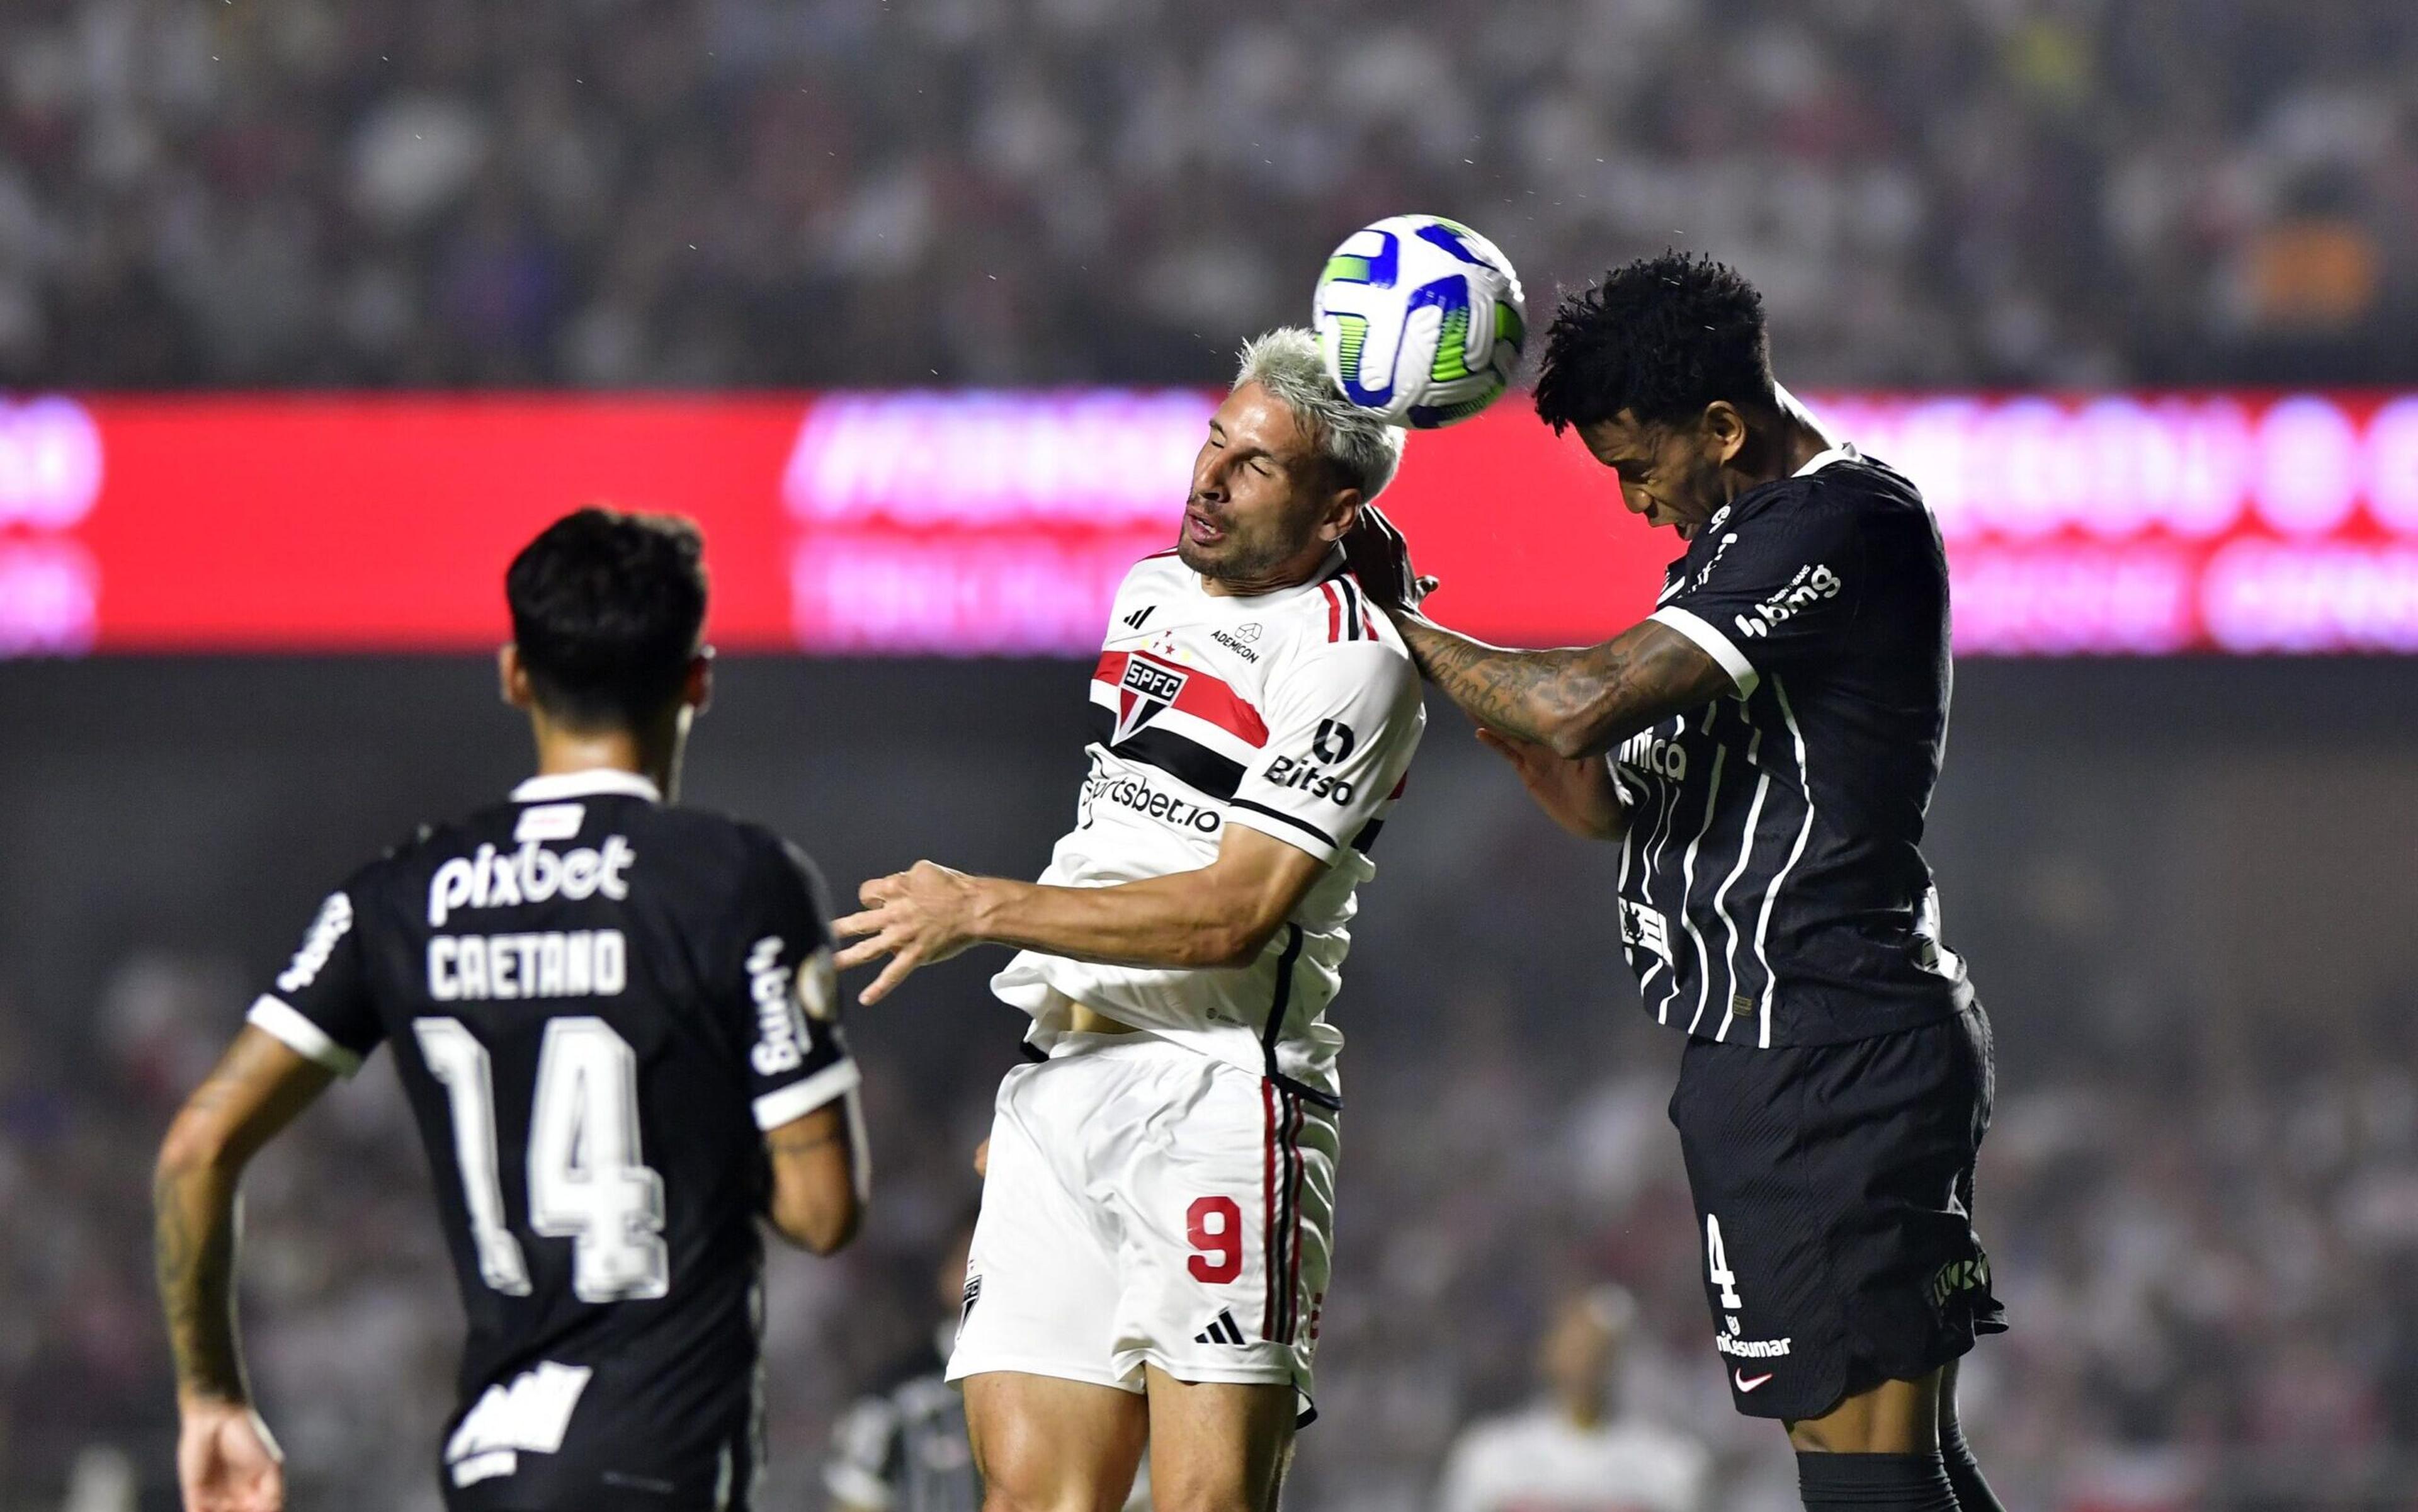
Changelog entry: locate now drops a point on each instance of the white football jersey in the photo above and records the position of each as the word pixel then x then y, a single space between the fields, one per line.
pixel 1541 1461
pixel 1294 713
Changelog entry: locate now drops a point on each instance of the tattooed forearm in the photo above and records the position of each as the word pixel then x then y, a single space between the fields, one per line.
pixel 193 1214
pixel 1579 701
pixel 256 1089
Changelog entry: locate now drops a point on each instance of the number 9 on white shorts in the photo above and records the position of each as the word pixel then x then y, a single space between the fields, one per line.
pixel 1146 1204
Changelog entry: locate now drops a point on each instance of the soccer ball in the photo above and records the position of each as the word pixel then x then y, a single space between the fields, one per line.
pixel 1420 319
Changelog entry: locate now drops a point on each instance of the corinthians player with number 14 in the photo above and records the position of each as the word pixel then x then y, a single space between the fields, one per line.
pixel 614 1020
pixel 1153 1248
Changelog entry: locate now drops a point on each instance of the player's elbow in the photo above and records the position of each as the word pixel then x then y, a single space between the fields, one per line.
pixel 1236 940
pixel 821 1222
pixel 194 1146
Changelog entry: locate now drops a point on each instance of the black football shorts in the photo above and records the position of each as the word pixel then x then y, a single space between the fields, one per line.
pixel 611 1462
pixel 1834 1196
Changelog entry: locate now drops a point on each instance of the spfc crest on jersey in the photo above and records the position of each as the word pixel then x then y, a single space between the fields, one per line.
pixel 1149 686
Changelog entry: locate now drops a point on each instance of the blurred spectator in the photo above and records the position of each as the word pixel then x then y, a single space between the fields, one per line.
pixel 814 191
pixel 1576 1449
pixel 902 1447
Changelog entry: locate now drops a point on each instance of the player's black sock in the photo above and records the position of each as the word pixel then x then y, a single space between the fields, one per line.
pixel 1900 1481
pixel 1973 1494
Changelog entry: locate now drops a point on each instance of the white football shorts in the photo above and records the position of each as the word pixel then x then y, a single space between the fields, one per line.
pixel 1146 1204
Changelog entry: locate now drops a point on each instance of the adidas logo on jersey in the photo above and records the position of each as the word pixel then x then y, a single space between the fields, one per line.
pixel 1136 619
pixel 1222 1329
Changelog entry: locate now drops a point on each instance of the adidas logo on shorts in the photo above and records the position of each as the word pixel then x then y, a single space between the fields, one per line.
pixel 1221 1330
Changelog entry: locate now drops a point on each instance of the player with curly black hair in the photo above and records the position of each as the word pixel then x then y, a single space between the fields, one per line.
pixel 1763 748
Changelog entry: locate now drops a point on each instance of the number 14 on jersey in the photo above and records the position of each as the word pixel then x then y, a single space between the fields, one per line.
pixel 587 1178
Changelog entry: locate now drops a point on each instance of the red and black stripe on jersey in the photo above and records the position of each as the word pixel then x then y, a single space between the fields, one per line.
pixel 1348 616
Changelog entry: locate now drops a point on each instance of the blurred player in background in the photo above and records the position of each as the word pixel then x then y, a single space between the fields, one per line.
pixel 1773 730
pixel 614 1020
pixel 902 1447
pixel 1573 1451
pixel 1153 1248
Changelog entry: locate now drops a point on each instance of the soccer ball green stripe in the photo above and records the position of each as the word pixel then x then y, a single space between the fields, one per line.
pixel 1351 334
pixel 1344 268
pixel 1508 327
pixel 1452 347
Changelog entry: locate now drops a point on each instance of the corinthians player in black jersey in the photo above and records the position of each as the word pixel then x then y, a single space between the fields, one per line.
pixel 1763 749
pixel 614 1022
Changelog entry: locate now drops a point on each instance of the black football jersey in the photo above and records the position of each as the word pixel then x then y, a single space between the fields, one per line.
pixel 597 1005
pixel 1773 885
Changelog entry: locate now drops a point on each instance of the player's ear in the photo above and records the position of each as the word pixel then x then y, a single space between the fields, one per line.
pixel 697 689
pixel 1343 514
pixel 1725 428
pixel 512 677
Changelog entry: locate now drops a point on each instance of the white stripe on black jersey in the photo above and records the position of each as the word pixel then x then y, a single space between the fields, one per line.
pixel 1771 880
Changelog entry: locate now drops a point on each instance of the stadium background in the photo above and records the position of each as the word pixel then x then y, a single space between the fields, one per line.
pixel 245 620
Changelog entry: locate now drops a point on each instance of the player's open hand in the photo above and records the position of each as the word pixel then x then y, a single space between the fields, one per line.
pixel 1380 557
pixel 1576 792
pixel 226 1461
pixel 915 917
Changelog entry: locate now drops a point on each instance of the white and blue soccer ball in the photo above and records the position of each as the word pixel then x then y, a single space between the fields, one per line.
pixel 1420 319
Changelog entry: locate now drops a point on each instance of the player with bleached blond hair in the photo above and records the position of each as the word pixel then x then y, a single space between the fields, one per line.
pixel 1152 1249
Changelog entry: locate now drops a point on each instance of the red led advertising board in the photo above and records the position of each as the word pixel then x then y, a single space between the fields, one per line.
pixel 995 522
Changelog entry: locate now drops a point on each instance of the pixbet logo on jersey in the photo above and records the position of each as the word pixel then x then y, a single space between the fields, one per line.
pixel 532 874
pixel 1149 686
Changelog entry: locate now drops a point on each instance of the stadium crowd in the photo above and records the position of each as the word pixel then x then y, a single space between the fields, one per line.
pixel 2208 1260
pixel 692 192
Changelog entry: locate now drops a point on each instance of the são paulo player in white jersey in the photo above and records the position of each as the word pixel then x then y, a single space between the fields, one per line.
pixel 1153 1248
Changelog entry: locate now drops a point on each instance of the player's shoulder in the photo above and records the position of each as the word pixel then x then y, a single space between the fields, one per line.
pixel 1511 1437
pixel 1160 573
pixel 1851 489
pixel 1335 627
pixel 748 854
pixel 432 843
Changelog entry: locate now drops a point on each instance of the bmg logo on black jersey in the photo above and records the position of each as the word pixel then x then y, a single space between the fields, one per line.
pixel 1811 586
pixel 784 1000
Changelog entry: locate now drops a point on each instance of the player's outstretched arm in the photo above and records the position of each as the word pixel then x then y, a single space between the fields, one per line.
pixel 1579 701
pixel 225 1459
pixel 1221 914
